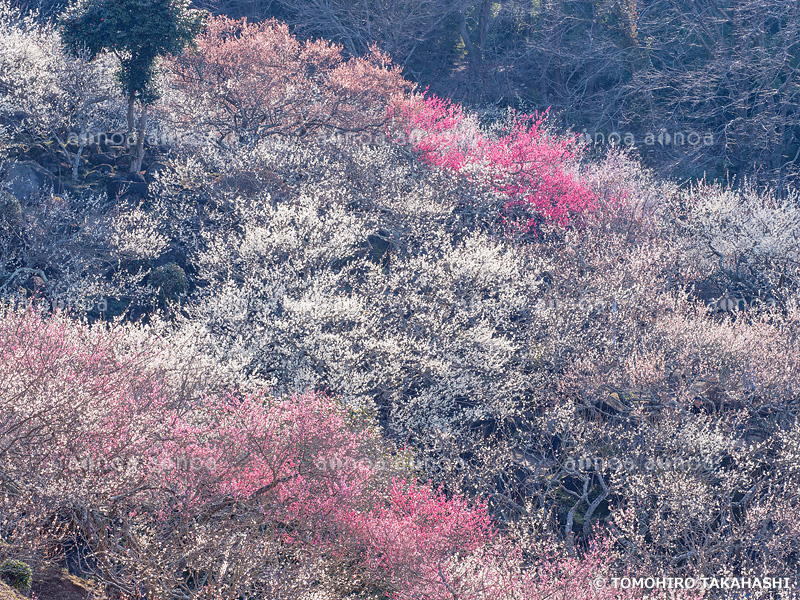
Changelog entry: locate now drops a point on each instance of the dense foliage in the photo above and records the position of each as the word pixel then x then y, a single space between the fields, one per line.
pixel 137 31
pixel 350 341
pixel 725 71
pixel 250 81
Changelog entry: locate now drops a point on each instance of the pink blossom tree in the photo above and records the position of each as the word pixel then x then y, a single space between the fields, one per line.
pixel 232 494
pixel 525 165
pixel 246 80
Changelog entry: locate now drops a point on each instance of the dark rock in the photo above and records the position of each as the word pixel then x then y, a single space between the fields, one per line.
pixel 25 179
pixel 96 187
pixel 99 173
pixel 103 158
pixel 51 162
pixel 131 186
pixel 378 245
pixel 123 163
pixel 118 138
pixel 13 119
pixel 37 151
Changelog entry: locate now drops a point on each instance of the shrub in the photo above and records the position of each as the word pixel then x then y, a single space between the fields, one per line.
pixel 169 280
pixel 16 574
pixel 30 64
pixel 10 211
pixel 740 242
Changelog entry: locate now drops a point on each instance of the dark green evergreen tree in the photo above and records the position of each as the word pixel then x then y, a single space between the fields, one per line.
pixel 138 32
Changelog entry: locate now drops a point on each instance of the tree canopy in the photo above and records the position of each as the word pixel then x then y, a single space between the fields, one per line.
pixel 138 31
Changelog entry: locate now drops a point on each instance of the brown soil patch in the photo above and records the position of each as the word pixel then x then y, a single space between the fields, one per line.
pixel 55 583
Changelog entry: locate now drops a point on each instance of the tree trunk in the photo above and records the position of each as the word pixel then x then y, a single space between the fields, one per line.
pixel 76 164
pixel 136 165
pixel 465 37
pixel 130 114
pixel 483 26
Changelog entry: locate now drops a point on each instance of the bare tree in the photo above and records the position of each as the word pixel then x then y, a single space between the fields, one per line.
pixel 397 27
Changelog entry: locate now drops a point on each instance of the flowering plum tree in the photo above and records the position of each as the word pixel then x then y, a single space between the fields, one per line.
pixel 566 383
pixel 524 164
pixel 249 80
pixel 227 496
pixel 45 93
